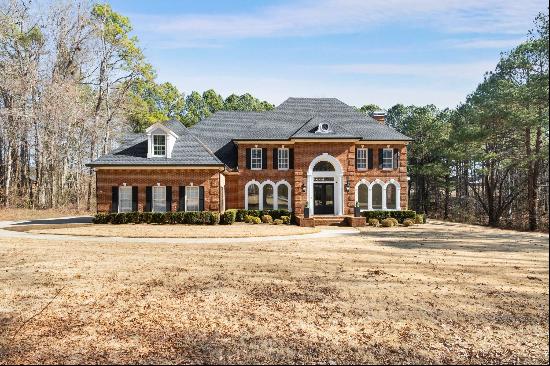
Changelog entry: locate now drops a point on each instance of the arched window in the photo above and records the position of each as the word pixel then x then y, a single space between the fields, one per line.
pixel 376 196
pixel 363 196
pixel 253 195
pixel 283 201
pixel 391 196
pixel 267 195
pixel 323 166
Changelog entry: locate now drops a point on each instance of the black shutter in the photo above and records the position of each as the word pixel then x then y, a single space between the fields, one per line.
pixel 148 198
pixel 369 153
pixel 395 158
pixel 380 158
pixel 182 199
pixel 275 158
pixel 247 158
pixel 114 199
pixel 264 158
pixel 201 198
pixel 356 157
pixel 290 159
pixel 168 198
pixel 134 198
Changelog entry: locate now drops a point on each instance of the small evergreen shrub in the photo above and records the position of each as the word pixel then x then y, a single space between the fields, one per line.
pixel 267 219
pixel 388 222
pixel 255 220
pixel 118 218
pixel 277 222
pixel 228 217
pixel 381 215
pixel 374 222
pixel 285 220
pixel 158 218
pixel 408 222
pixel 275 214
pixel 101 218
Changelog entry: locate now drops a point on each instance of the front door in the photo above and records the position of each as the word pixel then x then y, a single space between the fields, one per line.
pixel 323 198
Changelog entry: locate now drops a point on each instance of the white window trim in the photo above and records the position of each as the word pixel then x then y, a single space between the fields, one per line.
pixel 165 146
pixel 279 151
pixel 384 186
pixel 120 189
pixel 252 159
pixel 153 198
pixel 198 198
pixel 366 150
pixel 275 194
pixel 383 151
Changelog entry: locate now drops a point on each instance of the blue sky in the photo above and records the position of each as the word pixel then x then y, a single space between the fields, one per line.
pixel 360 51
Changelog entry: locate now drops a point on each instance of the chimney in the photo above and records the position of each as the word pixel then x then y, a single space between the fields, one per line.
pixel 379 116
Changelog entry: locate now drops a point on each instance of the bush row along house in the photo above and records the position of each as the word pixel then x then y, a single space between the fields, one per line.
pixel 307 152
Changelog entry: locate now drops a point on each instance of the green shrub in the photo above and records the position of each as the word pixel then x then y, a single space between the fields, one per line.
pixel 275 214
pixel 277 222
pixel 381 215
pixel 388 222
pixel 408 222
pixel 118 218
pixel 286 220
pixel 101 218
pixel 374 222
pixel 158 218
pixel 228 217
pixel 267 219
pixel 255 220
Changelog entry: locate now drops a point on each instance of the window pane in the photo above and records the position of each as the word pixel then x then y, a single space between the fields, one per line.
pixel 159 199
pixel 377 197
pixel 125 199
pixel 282 197
pixel 192 198
pixel 268 197
pixel 256 158
pixel 388 159
pixel 361 158
pixel 253 197
pixel 159 145
pixel 363 196
pixel 391 195
pixel 323 166
pixel 283 158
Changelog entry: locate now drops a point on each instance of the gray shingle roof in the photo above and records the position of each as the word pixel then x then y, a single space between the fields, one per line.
pixel 211 141
pixel 188 150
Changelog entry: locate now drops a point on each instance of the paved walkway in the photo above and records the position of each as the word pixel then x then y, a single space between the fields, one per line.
pixel 326 233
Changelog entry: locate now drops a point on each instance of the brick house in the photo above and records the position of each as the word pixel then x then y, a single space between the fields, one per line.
pixel 318 151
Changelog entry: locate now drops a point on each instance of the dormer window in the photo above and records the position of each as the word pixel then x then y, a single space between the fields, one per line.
pixel 159 145
pixel 323 128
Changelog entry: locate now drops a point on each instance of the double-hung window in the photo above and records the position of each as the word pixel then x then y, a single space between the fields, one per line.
pixel 125 199
pixel 159 199
pixel 283 158
pixel 192 198
pixel 387 159
pixel 159 145
pixel 362 155
pixel 256 159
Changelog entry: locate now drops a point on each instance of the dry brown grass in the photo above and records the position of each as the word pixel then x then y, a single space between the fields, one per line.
pixel 16 214
pixel 237 230
pixel 438 293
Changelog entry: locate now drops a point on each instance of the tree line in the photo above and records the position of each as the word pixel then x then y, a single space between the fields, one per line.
pixel 485 161
pixel 72 79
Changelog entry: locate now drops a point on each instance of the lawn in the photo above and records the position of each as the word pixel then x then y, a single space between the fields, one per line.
pixel 436 293
pixel 16 214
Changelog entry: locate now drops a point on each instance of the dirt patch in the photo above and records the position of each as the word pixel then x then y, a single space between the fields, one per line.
pixel 237 230
pixel 381 297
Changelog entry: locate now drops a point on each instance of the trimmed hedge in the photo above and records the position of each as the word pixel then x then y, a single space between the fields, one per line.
pixel 192 218
pixel 398 215
pixel 275 214
pixel 228 217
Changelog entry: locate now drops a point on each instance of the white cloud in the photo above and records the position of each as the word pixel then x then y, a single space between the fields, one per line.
pixel 349 16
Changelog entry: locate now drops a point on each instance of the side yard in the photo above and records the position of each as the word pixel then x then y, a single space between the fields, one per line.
pixel 434 293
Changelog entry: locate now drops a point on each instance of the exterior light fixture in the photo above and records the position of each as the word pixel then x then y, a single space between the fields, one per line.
pixel 303 188
pixel 347 185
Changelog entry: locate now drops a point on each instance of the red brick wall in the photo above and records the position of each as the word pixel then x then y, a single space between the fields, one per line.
pixel 106 178
pixel 304 153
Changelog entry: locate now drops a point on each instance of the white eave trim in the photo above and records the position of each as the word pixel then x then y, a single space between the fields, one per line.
pixel 159 125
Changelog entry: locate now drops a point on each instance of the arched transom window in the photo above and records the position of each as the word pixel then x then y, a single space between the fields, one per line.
pixel 323 166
